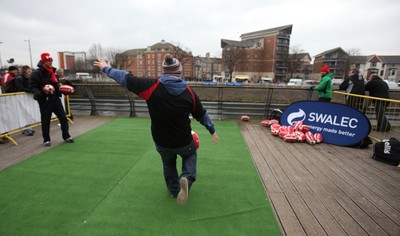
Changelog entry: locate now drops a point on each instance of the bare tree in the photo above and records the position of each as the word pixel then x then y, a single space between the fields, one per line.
pixel 233 56
pixel 79 65
pixel 114 57
pixel 294 59
pixel 95 51
pixel 352 54
pixel 181 52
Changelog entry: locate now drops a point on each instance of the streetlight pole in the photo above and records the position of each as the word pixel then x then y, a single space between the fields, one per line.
pixel 1 61
pixel 30 52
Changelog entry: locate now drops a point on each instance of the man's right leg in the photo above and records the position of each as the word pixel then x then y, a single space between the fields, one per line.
pixel 171 177
pixel 45 116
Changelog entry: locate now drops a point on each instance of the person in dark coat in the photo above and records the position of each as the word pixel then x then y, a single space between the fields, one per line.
pixel 170 101
pixel 379 88
pixel 22 85
pixel 22 80
pixel 354 84
pixel 49 101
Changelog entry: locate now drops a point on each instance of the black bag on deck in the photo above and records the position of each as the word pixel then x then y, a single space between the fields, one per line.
pixel 387 151
pixel 363 144
pixel 276 114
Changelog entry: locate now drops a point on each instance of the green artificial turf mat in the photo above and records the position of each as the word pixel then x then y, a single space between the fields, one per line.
pixel 110 182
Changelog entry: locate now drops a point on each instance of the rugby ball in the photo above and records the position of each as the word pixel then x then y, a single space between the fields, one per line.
pixel 318 137
pixel 66 89
pixel 196 139
pixel 245 118
pixel 48 89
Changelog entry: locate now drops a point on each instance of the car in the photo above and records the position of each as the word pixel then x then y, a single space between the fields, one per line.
pixel 392 84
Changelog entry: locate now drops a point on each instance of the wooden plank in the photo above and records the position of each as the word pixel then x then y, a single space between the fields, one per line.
pixel 305 215
pixel 289 222
pixel 290 171
pixel 368 224
pixel 324 217
pixel 369 171
pixel 276 169
pixel 265 173
pixel 352 175
pixel 346 186
pixel 346 221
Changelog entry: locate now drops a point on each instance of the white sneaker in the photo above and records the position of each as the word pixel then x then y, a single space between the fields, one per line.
pixel 183 194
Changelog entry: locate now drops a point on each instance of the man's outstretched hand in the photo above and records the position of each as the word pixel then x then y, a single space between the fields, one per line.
pixel 215 138
pixel 101 63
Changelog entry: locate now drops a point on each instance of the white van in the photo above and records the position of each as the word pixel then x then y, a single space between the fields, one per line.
pixel 295 82
pixel 83 76
pixel 267 80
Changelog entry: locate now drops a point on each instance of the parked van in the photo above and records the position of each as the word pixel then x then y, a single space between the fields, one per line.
pixel 295 82
pixel 83 76
pixel 267 80
pixel 244 79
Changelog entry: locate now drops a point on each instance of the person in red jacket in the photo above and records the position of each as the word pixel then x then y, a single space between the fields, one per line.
pixel 8 76
pixel 170 102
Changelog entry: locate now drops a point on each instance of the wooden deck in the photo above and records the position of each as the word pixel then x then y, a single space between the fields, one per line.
pixel 314 190
pixel 325 189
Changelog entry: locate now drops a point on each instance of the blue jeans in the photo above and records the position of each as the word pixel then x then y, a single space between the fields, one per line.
pixel 189 160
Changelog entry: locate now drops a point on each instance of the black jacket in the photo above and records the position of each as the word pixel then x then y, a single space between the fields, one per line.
pixel 353 84
pixel 377 88
pixel 22 84
pixel 39 78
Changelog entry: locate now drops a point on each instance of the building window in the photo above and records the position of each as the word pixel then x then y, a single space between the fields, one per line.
pixel 381 74
pixel 373 64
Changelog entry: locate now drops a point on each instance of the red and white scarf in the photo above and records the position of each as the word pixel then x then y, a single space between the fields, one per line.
pixel 53 76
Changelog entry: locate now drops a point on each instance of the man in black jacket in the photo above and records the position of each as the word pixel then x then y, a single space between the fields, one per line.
pixel 170 102
pixel 379 88
pixel 354 84
pixel 48 99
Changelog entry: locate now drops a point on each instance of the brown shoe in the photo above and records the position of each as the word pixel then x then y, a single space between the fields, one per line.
pixel 183 194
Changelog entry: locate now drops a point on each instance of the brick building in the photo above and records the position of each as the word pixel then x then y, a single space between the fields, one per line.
pixel 259 54
pixel 207 68
pixel 335 58
pixel 72 61
pixel 147 62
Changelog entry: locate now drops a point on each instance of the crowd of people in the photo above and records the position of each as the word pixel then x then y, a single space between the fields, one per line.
pixel 354 83
pixel 29 80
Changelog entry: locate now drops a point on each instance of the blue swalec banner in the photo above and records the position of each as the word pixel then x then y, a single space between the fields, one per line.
pixel 339 124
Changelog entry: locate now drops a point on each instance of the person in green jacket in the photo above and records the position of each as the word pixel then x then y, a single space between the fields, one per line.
pixel 325 85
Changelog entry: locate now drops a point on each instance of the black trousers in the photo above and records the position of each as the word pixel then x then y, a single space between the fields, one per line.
pixel 53 105
pixel 383 123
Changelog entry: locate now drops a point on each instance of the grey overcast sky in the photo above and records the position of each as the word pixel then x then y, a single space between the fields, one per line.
pixel 318 25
